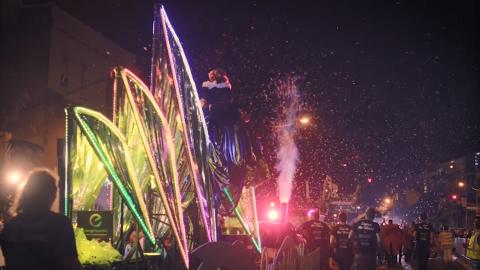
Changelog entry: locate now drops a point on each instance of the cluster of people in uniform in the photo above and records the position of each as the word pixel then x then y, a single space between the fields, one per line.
pixel 358 246
pixel 366 244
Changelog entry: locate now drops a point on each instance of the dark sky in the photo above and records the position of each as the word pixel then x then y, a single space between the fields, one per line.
pixel 393 85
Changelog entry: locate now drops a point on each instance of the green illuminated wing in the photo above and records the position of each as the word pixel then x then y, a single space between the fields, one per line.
pixel 113 152
pixel 87 179
pixel 87 169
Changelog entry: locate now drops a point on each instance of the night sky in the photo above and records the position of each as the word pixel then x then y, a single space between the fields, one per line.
pixel 392 85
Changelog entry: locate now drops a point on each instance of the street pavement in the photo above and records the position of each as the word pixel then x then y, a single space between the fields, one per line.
pixel 433 264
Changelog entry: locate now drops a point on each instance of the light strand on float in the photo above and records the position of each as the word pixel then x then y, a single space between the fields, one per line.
pixel 115 92
pixel 66 164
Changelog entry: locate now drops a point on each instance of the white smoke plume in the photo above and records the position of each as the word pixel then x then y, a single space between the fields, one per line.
pixel 287 153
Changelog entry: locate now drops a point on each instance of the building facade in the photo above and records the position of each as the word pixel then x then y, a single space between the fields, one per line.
pixel 453 190
pixel 51 60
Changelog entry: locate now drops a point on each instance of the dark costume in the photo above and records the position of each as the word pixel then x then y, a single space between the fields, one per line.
pixel 224 122
pixel 228 135
pixel 38 241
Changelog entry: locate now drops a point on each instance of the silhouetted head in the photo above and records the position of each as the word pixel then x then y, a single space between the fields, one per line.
pixel 390 221
pixel 38 193
pixel 370 213
pixel 423 216
pixel 343 217
pixel 5 134
pixel 476 223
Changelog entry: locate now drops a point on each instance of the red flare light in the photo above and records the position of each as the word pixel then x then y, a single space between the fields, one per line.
pixel 273 215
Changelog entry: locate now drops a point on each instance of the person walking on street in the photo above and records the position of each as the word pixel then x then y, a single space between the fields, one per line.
pixel 365 235
pixel 408 242
pixel 317 233
pixel 342 245
pixel 473 248
pixel 445 242
pixel 423 235
pixel 393 240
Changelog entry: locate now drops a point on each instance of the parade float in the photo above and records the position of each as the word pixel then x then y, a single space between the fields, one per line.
pixel 152 168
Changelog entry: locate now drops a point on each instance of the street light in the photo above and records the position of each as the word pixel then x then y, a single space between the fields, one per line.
pixel 388 200
pixel 461 184
pixel 304 120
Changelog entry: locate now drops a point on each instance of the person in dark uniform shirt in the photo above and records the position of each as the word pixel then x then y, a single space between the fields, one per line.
pixel 37 238
pixel 365 235
pixel 342 245
pixel 317 234
pixel 423 235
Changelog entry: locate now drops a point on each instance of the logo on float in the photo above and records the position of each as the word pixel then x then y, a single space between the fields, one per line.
pixel 95 220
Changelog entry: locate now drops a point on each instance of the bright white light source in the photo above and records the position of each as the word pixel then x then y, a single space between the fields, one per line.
pixel 13 177
pixel 304 120
pixel 273 214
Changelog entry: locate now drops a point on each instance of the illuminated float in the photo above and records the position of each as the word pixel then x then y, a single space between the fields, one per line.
pixel 152 166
